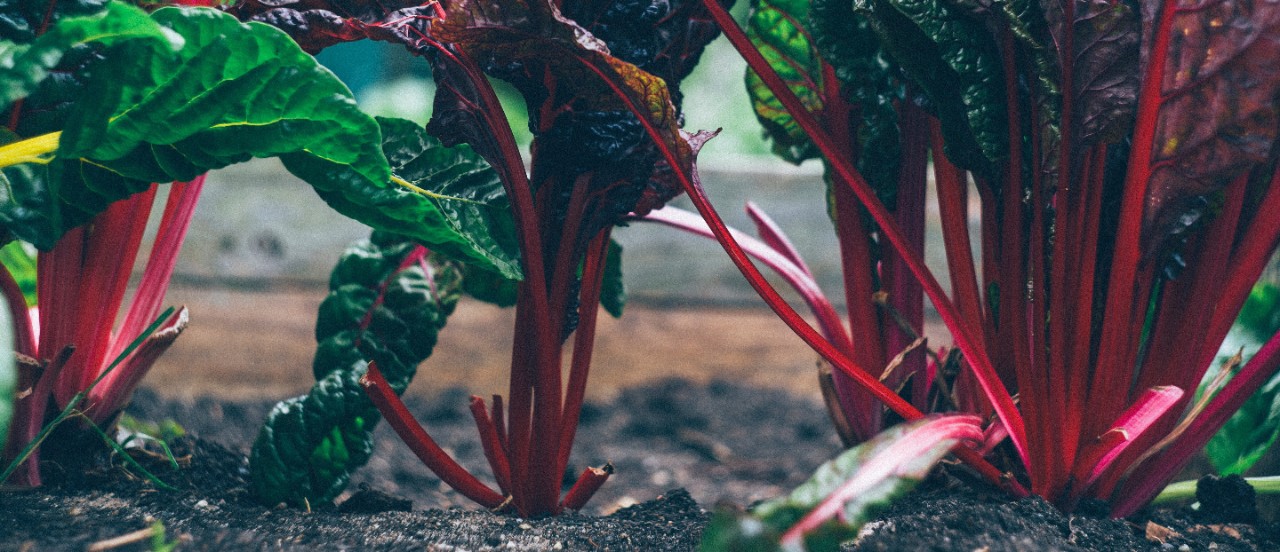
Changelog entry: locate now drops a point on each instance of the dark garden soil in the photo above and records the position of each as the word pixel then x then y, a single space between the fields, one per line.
pixel 678 447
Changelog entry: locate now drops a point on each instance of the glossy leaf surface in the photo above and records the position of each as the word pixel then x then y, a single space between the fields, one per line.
pixel 1216 100
pixel 234 91
pixel 461 201
pixel 386 304
pixel 23 66
pixel 953 58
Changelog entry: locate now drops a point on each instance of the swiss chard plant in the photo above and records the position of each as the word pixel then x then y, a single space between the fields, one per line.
pixel 102 100
pixel 387 302
pixel 600 83
pixel 1124 158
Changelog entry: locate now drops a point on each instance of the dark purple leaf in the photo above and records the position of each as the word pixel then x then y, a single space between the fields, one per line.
pixel 1218 104
pixel 318 24
pixel 580 100
pixel 1106 79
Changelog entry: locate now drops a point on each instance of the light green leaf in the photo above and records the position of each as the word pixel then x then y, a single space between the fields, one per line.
pixel 776 28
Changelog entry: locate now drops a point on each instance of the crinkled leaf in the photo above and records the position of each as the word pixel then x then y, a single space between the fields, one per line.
pixel 870 83
pixel 233 92
pixel 662 37
pixel 1218 113
pixel 318 24
pixel 845 492
pixel 1106 79
pixel 953 58
pixel 23 66
pixel 467 208
pixel 386 304
pixel 778 30
pixel 523 43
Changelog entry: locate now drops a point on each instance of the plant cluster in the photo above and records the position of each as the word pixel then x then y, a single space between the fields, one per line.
pixel 103 100
pixel 1123 155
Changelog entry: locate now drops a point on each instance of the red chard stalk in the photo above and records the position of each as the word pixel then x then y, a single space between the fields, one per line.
pixel 598 79
pixel 1124 157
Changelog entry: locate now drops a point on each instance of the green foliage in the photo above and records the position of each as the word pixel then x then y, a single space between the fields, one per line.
pixel 494 289
pixel 871 83
pixel 23 66
pixel 460 198
pixel 879 470
pixel 386 304
pixel 776 29
pixel 954 60
pixel 19 258
pixel 613 295
pixel 231 92
pixel 164 430
pixel 159 543
pixel 1251 431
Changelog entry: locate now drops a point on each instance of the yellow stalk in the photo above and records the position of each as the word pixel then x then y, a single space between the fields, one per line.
pixel 31 150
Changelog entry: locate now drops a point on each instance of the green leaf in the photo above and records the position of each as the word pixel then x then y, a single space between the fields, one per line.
pixel 953 58
pixel 24 66
pixel 843 493
pixel 1249 434
pixel 234 91
pixel 386 304
pixel 22 21
pixel 613 294
pixel 1260 315
pixel 489 287
pixel 776 28
pixel 20 260
pixel 8 373
pixel 465 206
pixel 870 83
pixel 1254 428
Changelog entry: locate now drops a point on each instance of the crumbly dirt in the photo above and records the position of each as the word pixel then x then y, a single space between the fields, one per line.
pixel 678 447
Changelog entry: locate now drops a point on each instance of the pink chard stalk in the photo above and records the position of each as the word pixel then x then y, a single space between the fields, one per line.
pixel 1125 162
pixel 72 352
